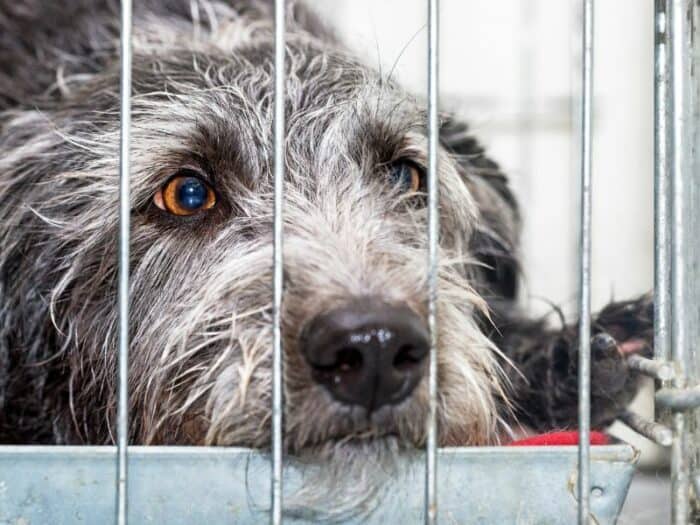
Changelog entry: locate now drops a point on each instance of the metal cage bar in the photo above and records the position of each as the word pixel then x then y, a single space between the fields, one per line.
pixel 662 226
pixel 123 292
pixel 277 285
pixel 680 45
pixel 433 234
pixel 584 333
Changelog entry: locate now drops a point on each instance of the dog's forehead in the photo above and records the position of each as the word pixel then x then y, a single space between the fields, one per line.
pixel 337 108
pixel 318 77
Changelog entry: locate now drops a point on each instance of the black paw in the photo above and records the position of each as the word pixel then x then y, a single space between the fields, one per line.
pixel 613 384
pixel 620 330
pixel 631 323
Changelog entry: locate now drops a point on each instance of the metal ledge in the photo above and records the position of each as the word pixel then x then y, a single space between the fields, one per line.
pixel 186 486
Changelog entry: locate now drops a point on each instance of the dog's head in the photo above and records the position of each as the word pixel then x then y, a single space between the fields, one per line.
pixel 355 238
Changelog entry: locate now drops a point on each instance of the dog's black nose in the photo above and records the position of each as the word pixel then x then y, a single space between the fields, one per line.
pixel 367 353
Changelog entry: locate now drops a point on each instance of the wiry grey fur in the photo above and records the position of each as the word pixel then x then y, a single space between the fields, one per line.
pixel 201 287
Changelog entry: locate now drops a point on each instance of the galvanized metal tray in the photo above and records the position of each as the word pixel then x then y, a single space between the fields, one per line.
pixel 183 485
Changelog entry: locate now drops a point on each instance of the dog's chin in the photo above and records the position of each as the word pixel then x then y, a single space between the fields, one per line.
pixel 341 429
pixel 354 447
pixel 361 442
pixel 345 478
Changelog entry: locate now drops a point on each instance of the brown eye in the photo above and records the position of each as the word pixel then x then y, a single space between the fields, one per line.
pixel 407 176
pixel 185 194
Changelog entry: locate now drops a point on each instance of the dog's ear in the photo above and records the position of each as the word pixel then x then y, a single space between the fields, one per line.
pixel 494 242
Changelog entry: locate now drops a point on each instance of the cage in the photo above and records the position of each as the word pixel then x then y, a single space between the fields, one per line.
pixel 558 484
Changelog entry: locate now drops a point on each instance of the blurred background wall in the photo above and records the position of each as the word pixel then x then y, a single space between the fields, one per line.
pixel 511 68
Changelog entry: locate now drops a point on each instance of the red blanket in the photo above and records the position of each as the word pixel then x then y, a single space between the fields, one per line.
pixel 559 438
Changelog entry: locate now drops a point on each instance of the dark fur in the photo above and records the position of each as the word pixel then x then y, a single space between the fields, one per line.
pixel 38 361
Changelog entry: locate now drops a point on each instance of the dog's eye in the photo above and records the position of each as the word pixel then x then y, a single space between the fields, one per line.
pixel 185 194
pixel 406 175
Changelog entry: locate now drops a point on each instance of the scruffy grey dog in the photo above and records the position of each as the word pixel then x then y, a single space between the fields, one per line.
pixel 355 249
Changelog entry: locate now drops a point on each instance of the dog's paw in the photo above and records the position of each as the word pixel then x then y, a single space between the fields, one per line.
pixel 620 330
pixel 630 323
pixel 613 384
pixel 627 329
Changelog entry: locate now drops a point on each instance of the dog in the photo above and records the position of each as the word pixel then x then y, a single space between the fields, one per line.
pixel 354 328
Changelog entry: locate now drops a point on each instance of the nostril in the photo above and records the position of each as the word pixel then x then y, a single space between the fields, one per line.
pixel 407 357
pixel 347 359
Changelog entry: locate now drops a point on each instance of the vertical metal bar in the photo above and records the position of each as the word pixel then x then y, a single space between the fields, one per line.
pixel 694 197
pixel 679 31
pixel 584 368
pixel 124 220
pixel 433 233
pixel 663 141
pixel 662 226
pixel 279 135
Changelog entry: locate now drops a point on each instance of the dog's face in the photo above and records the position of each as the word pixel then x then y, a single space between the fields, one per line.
pixel 355 249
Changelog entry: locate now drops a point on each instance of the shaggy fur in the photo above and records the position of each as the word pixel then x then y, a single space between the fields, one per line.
pixel 200 286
